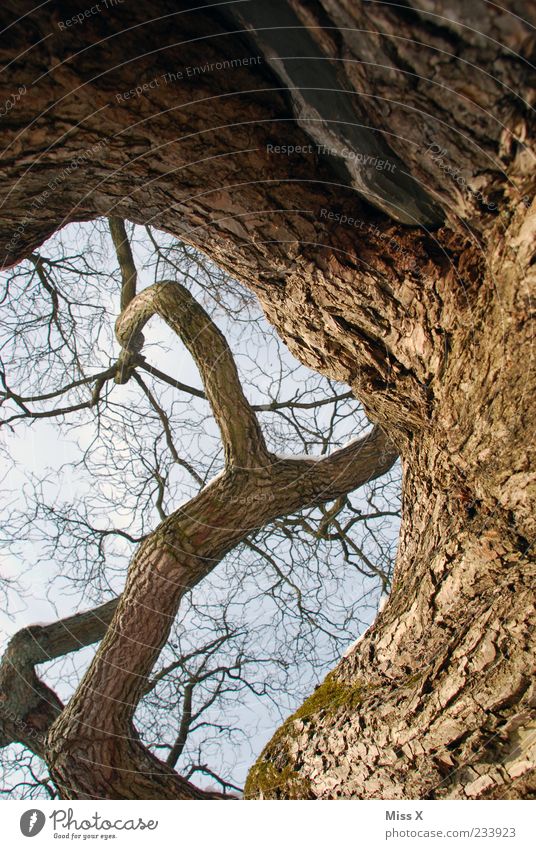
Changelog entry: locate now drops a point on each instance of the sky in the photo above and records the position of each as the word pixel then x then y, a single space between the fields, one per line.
pixel 46 452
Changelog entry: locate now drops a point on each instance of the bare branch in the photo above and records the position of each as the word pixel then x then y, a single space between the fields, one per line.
pixel 129 275
pixel 301 405
pixel 191 390
pixel 186 719
pixel 20 399
pixel 162 415
pixel 241 435
pixel 272 406
pixel 61 411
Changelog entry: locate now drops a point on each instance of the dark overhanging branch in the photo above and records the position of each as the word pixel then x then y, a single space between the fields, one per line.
pixel 139 362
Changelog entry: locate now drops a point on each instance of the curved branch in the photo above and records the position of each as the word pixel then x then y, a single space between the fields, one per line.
pixel 241 435
pixel 256 487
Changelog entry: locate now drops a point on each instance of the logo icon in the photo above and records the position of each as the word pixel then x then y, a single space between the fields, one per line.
pixel 32 822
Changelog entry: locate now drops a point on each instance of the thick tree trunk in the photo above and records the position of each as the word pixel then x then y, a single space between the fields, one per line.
pixel 399 260
pixel 437 700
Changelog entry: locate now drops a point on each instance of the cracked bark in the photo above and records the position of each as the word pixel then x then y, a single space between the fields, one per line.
pixel 430 324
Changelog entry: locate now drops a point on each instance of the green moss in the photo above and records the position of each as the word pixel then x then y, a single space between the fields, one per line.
pixel 272 776
pixel 330 696
pixel 266 780
pixel 413 679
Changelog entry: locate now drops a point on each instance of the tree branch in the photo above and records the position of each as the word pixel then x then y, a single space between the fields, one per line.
pixel 46 396
pixel 186 719
pixel 272 406
pixel 162 415
pixel 28 707
pixel 241 435
pixel 129 275
pixel 191 390
pixel 173 559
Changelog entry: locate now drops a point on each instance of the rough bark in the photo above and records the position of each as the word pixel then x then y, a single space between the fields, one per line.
pixel 429 324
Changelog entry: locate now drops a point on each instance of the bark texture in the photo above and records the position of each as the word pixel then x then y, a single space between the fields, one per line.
pixel 412 280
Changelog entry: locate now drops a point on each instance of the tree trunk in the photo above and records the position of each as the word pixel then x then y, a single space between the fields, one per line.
pixel 437 700
pixel 394 251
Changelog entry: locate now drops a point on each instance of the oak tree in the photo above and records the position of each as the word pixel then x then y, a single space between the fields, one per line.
pixel 367 169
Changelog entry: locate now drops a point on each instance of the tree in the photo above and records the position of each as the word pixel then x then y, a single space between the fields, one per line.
pixel 367 169
pixel 139 452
